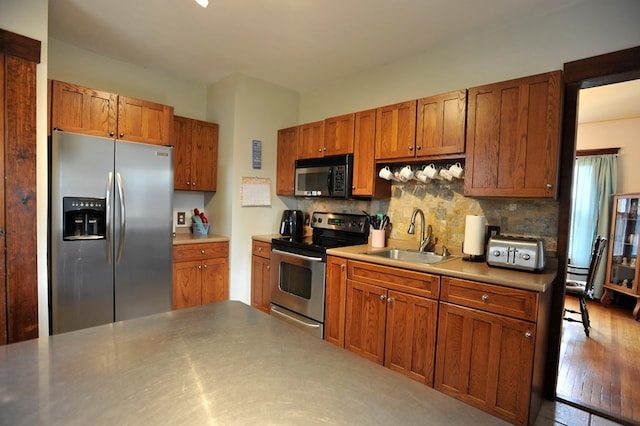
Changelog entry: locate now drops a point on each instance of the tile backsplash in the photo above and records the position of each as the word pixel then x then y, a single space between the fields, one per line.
pixel 445 208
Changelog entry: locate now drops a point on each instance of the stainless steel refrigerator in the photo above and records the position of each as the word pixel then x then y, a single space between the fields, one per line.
pixel 110 239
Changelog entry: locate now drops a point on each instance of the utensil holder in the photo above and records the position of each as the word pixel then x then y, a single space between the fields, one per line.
pixel 378 238
pixel 200 229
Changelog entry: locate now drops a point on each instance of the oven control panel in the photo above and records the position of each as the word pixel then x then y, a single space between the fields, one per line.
pixel 357 223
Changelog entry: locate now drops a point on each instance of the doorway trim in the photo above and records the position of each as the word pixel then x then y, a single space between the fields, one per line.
pixel 615 67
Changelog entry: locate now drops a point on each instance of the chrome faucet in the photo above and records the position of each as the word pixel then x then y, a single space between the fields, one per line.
pixel 424 240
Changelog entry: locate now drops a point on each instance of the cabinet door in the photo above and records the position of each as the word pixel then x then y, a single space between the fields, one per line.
pixel 441 124
pixel 513 134
pixel 366 308
pixel 287 156
pixel 335 298
pixel 338 135
pixel 215 280
pixel 366 182
pixel 410 345
pixel 311 140
pixel 187 288
pixel 396 131
pixel 260 280
pixel 81 110
pixel 181 153
pixel 485 360
pixel 204 156
pixel 144 121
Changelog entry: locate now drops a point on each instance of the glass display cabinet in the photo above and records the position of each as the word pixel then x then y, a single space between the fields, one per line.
pixel 622 265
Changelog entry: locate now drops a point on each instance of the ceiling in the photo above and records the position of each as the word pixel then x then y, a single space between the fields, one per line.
pixel 298 44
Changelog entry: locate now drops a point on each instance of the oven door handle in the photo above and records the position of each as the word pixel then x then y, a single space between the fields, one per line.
pixel 299 256
pixel 296 320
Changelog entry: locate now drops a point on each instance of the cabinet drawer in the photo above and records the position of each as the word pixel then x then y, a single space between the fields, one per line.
pixel 413 282
pixel 513 302
pixel 200 251
pixel 261 249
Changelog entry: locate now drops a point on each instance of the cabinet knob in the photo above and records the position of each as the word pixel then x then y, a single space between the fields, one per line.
pixel 193 184
pixel 188 183
pixel 485 298
pixel 324 149
pixel 389 300
pixel 342 267
pixel 205 266
pixel 122 134
pixel 382 297
pixel 319 149
pixel 268 267
pixel 549 186
pixel 528 334
pixel 259 248
pixel 202 251
pixel 410 148
pixel 418 147
pixel 199 267
pixel 112 133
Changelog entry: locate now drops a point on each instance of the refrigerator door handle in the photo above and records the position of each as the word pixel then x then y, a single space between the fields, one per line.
pixel 108 218
pixel 123 219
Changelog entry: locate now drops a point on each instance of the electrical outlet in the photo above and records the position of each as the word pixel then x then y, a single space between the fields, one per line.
pixel 180 218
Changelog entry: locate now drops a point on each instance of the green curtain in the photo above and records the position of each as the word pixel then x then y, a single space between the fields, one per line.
pixel 595 180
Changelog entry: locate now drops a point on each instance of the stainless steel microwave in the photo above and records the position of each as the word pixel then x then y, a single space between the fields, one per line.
pixel 329 177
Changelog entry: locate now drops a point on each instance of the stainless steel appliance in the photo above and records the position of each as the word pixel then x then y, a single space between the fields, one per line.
pixel 521 253
pixel 292 223
pixel 329 177
pixel 298 267
pixel 110 239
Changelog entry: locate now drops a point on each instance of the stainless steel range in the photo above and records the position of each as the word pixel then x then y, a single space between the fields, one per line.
pixel 298 267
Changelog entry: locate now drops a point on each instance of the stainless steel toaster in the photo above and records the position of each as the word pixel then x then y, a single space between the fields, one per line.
pixel 521 253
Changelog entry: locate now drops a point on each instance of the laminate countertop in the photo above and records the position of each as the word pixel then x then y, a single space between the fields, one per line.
pixel 189 238
pixel 225 363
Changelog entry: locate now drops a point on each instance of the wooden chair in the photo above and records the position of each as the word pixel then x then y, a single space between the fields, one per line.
pixel 584 288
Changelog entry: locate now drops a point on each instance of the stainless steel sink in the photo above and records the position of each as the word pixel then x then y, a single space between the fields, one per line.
pixel 410 255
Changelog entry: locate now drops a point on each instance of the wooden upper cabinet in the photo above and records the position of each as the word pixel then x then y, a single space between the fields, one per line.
pixel 441 124
pixel 311 140
pixel 366 182
pixel 144 121
pixel 513 138
pixel 339 134
pixel 287 156
pixel 195 162
pixel 396 131
pixel 81 110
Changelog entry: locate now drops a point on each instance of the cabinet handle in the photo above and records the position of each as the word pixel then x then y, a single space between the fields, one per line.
pixel 188 183
pixel 324 149
pixel 410 148
pixel 268 267
pixel 319 149
pixel 389 300
pixel 199 267
pixel 111 133
pixel 122 134
pixel 485 298
pixel 202 251
pixel 342 267
pixel 418 148
pixel 193 184
pixel 528 334
pixel 205 266
pixel 549 186
pixel 382 297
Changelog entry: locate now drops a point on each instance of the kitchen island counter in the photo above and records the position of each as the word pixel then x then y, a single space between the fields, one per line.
pixel 222 363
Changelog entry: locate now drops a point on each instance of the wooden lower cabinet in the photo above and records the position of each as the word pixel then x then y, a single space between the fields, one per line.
pixel 335 299
pixel 261 276
pixel 200 274
pixel 487 359
pixel 387 324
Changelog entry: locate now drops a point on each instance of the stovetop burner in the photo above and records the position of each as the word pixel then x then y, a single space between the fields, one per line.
pixel 330 230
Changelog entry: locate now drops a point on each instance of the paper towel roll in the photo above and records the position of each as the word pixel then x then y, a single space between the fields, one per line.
pixel 474 233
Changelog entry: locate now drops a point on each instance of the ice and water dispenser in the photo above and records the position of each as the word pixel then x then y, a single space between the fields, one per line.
pixel 84 218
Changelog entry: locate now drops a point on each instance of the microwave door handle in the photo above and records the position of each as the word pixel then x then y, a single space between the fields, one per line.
pixel 330 181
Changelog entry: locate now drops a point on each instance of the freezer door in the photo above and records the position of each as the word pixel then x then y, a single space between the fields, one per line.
pixel 81 279
pixel 143 230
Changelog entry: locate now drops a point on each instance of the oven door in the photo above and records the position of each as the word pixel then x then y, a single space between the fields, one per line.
pixel 297 283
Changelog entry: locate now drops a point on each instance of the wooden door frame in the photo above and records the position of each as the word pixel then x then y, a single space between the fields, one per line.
pixel 615 67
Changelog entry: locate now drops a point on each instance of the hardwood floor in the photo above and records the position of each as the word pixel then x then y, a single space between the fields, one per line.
pixel 602 372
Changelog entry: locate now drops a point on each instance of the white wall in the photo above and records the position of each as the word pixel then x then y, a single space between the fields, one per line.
pixel 253 110
pixel 623 134
pixel 544 43
pixel 30 18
